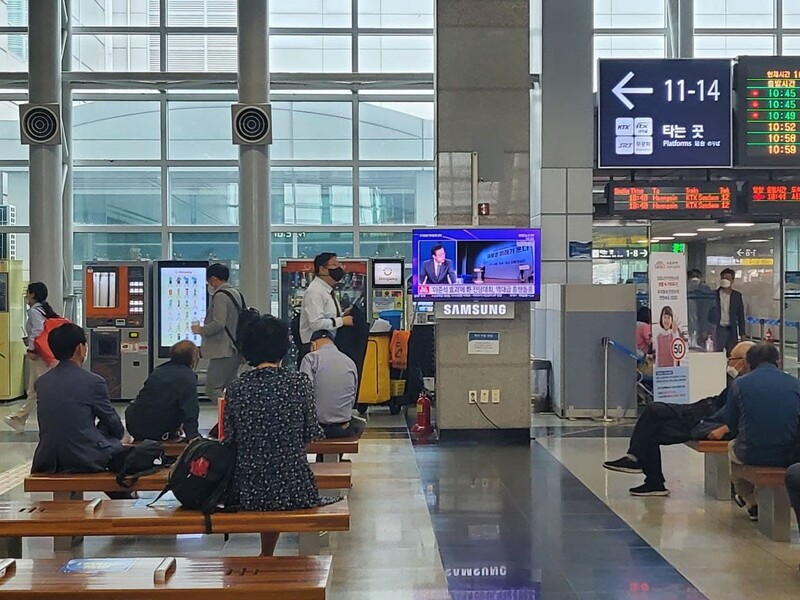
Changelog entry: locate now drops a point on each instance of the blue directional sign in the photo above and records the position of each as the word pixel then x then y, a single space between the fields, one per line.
pixel 664 113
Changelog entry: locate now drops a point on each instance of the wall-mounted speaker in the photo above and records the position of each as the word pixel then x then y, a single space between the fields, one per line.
pixel 252 124
pixel 40 124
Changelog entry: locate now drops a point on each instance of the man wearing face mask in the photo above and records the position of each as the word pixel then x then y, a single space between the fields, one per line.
pixel 321 310
pixel 167 405
pixel 700 299
pixel 663 424
pixel 79 430
pixel 219 332
pixel 727 314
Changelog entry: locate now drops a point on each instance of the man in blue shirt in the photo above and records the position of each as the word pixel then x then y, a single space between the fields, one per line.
pixel 762 412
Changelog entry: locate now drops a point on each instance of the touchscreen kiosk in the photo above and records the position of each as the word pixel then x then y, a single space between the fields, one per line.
pixel 181 300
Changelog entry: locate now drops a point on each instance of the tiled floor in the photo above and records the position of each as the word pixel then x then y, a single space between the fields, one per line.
pixel 491 522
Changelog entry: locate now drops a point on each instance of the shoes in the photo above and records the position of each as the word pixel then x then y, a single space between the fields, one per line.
pixel 623 465
pixel 752 512
pixel 739 501
pixel 649 490
pixel 16 423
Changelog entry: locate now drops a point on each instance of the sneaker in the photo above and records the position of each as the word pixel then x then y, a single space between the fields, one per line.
pixel 623 465
pixel 752 512
pixel 739 501
pixel 649 490
pixel 16 423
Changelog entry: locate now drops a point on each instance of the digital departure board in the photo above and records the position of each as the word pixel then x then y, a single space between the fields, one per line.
pixel 671 200
pixel 773 198
pixel 768 111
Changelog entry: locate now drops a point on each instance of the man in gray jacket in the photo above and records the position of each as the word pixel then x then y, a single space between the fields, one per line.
pixel 219 332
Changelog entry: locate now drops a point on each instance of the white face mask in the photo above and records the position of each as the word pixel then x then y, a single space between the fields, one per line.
pixel 210 289
pixel 725 284
pixel 695 280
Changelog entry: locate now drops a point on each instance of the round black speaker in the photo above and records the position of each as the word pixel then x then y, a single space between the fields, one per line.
pixel 252 124
pixel 40 124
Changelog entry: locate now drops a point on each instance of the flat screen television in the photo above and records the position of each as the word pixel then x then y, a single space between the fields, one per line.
pixel 476 264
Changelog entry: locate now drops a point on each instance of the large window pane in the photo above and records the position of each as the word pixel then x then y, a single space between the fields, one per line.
pixel 14 196
pixel 729 46
pixel 14 13
pixel 116 246
pixel 629 14
pixel 118 14
pixel 416 14
pixel 204 196
pixel 311 244
pixel 310 54
pixel 395 54
pixel 791 45
pixel 201 53
pixel 310 13
pixel 10 146
pixel 396 196
pixel 386 245
pixel 742 14
pixel 115 53
pixel 628 46
pixel 108 130
pixel 201 13
pixel 117 196
pixel 200 130
pixel 13 52
pixel 791 14
pixel 396 130
pixel 312 130
pixel 206 246
pixel 311 196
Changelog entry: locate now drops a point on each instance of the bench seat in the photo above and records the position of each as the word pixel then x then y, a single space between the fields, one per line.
pixel 329 476
pixel 324 447
pixel 50 518
pixel 774 509
pixel 230 578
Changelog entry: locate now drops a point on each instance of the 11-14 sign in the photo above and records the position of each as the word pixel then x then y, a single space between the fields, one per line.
pixel 664 113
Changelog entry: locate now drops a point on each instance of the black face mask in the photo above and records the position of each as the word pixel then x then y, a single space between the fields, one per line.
pixel 336 274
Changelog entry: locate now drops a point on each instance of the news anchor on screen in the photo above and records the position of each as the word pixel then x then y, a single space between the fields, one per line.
pixel 439 269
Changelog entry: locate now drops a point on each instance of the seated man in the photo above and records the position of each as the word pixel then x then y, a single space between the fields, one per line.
pixel 663 424
pixel 335 380
pixel 793 487
pixel 168 404
pixel 762 414
pixel 79 430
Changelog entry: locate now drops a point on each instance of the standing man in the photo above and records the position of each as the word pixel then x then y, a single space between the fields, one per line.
pixel 321 310
pixel 219 331
pixel 727 315
pixel 439 269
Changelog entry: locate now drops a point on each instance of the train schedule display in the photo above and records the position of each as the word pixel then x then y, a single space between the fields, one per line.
pixel 671 200
pixel 768 111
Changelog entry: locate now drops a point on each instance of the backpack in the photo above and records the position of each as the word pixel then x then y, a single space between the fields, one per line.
pixel 41 344
pixel 201 476
pixel 134 462
pixel 246 316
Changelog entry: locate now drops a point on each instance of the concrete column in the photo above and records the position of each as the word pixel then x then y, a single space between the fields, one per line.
pixel 47 259
pixel 66 119
pixel 254 226
pixel 563 208
pixel 483 106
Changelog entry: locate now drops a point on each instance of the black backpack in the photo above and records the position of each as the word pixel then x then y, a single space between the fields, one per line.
pixel 201 477
pixel 246 316
pixel 144 458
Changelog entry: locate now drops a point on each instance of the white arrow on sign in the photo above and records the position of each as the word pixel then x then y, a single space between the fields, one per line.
pixel 739 253
pixel 620 90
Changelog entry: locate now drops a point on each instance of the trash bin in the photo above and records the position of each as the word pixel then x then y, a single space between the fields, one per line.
pixel 541 372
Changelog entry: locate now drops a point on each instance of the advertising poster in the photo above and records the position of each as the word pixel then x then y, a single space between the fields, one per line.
pixel 668 288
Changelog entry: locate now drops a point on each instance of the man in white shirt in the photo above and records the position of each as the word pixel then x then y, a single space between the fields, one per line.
pixel 321 310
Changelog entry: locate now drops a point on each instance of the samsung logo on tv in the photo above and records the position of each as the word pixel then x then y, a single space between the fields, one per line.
pixel 475 310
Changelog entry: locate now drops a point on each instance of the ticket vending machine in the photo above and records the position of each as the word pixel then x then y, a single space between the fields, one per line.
pixel 116 315
pixel 12 329
pixel 179 299
pixel 388 291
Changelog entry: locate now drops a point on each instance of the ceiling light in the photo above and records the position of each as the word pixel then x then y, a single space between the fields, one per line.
pixel 667 238
pixel 710 229
pixel 739 224
pixel 655 240
pixel 685 234
pixel 758 241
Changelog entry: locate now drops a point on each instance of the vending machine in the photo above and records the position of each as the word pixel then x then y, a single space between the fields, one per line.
pixel 116 315
pixel 12 329
pixel 180 299
pixel 388 291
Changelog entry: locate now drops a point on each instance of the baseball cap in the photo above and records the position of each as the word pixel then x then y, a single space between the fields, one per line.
pixel 323 333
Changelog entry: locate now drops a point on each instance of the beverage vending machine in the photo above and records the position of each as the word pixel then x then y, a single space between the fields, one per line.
pixel 117 319
pixel 12 329
pixel 389 291
pixel 180 299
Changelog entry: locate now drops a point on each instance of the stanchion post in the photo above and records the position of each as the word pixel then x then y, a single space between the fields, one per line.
pixel 762 329
pixel 606 341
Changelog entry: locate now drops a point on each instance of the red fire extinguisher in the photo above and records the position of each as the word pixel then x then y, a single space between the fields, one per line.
pixel 768 338
pixel 423 424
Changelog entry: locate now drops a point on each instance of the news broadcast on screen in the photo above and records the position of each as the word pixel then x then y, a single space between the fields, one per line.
pixel 476 264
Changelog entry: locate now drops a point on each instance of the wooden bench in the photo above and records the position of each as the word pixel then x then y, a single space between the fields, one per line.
pixel 717 472
pixel 54 518
pixel 240 578
pixel 774 509
pixel 71 486
pixel 330 449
